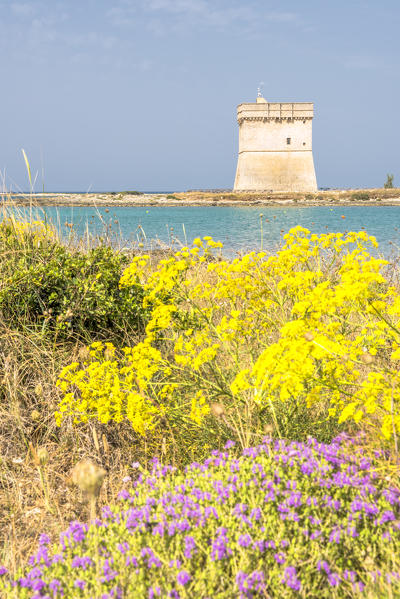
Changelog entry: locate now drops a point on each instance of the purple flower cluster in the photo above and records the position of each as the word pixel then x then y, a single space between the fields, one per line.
pixel 283 519
pixel 251 584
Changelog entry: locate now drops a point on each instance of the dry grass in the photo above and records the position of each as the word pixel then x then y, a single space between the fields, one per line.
pixel 28 397
pixel 35 499
pixel 198 197
pixel 331 195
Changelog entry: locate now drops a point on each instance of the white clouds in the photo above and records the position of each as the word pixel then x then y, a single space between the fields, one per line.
pixel 99 30
pixel 33 21
pixel 22 9
pixel 36 34
pixel 33 27
pixel 164 15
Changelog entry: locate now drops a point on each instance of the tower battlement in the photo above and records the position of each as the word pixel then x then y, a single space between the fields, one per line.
pixel 275 146
pixel 275 110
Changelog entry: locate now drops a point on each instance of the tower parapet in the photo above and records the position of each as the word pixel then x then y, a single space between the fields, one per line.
pixel 275 146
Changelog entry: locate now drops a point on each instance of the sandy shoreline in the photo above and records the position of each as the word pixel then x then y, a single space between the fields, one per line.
pixel 352 197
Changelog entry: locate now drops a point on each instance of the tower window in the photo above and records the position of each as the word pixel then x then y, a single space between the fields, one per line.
pixel 288 141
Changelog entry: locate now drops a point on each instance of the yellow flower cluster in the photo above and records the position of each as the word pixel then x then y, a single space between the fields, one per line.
pixel 316 322
pixel 111 388
pixel 34 232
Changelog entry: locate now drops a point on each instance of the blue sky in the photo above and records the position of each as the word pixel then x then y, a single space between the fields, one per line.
pixel 142 94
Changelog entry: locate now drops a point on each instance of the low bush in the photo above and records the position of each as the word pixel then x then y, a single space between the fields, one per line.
pixel 281 520
pixel 389 181
pixel 305 342
pixel 64 290
pixel 360 196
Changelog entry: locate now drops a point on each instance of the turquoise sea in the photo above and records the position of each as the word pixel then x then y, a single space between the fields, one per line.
pixel 239 228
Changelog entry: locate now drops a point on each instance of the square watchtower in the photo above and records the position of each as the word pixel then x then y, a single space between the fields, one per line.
pixel 275 147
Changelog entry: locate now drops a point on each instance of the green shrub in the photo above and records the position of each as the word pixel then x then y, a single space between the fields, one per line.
pixel 389 181
pixel 62 289
pixel 360 196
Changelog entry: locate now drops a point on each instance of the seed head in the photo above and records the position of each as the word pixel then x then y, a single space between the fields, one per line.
pixel 217 409
pixel 109 353
pixel 83 353
pixel 106 446
pixel 88 477
pixel 308 336
pixel 35 415
pixel 42 456
pixel 39 390
pixel 367 358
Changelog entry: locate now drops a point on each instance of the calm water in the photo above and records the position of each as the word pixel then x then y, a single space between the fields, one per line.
pixel 237 227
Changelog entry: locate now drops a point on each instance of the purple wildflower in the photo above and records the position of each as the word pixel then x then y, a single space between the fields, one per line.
pixel 290 578
pixel 247 583
pixel 220 549
pixel 244 540
pixel 79 584
pixel 44 539
pixel 190 545
pixel 229 444
pixel 183 577
pixel 124 494
pixel 333 579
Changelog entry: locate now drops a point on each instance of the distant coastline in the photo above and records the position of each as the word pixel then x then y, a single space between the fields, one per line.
pixel 332 197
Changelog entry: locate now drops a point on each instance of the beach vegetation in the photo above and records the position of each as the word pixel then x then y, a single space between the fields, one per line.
pixel 360 196
pixel 389 181
pixel 64 290
pixel 280 519
pixel 311 331
pixel 198 426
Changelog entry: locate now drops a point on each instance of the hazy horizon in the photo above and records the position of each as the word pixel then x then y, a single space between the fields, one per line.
pixel 142 94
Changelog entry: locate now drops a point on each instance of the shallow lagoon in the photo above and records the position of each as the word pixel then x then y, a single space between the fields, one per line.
pixel 237 227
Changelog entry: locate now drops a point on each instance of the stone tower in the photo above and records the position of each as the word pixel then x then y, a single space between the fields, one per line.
pixel 275 146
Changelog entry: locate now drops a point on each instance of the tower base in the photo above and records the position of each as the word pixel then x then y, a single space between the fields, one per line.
pixel 275 171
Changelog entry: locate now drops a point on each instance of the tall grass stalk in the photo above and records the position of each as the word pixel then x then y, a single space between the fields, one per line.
pixel 28 168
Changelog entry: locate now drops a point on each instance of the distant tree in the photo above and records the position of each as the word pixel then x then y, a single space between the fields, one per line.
pixel 389 181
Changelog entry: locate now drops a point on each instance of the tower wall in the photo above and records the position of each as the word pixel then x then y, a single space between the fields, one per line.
pixel 275 147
